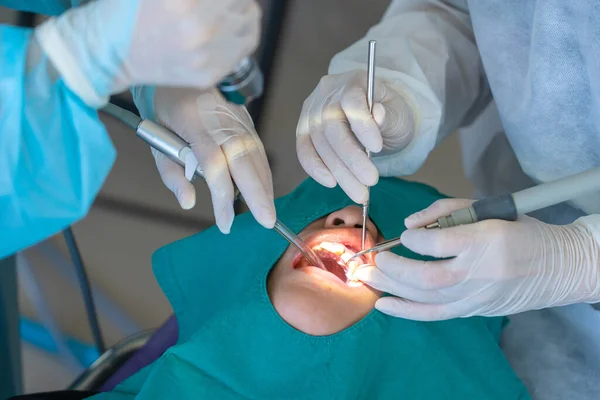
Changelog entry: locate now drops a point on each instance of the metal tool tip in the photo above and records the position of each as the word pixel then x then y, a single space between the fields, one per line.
pixel 435 225
pixel 353 257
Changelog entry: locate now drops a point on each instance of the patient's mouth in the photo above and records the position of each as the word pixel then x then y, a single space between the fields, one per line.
pixel 335 257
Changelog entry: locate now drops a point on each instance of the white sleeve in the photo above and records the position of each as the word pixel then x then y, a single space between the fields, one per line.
pixel 426 50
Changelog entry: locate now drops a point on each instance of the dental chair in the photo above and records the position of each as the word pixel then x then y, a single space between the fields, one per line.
pixel 126 358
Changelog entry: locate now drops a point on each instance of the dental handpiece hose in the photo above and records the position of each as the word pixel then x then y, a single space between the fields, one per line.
pixel 174 147
pixel 509 207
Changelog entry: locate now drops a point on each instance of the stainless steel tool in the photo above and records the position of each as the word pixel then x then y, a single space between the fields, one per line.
pixel 383 246
pixel 370 94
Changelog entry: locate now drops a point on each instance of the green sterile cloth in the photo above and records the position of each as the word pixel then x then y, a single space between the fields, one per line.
pixel 233 344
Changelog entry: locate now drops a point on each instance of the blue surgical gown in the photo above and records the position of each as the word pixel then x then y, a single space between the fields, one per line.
pixel 54 151
pixel 45 7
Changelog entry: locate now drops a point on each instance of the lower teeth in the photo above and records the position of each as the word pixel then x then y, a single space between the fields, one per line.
pixel 344 255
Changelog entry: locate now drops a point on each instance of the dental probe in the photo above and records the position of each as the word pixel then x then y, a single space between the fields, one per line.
pixel 370 94
pixel 383 246
pixel 174 147
pixel 508 207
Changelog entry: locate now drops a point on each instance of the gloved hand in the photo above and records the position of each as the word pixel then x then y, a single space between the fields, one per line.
pixel 335 126
pixel 499 267
pixel 225 146
pixel 106 46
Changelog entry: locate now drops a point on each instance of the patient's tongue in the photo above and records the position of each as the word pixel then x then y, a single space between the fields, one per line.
pixel 335 268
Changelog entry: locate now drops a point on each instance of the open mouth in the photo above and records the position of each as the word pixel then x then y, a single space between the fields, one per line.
pixel 335 249
pixel 335 258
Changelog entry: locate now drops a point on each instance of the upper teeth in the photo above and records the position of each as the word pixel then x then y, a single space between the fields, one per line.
pixel 336 248
pixel 346 256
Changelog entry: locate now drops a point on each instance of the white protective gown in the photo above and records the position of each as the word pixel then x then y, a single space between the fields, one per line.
pixel 541 62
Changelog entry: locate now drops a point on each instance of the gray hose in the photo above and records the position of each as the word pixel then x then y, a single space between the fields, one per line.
pixel 34 291
pixel 564 189
pixel 114 314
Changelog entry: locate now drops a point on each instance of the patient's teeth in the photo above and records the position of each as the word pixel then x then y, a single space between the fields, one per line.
pixel 352 265
pixel 339 250
pixel 336 248
pixel 346 256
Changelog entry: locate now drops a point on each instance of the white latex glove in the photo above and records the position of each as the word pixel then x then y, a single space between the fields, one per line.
pixel 335 126
pixel 499 268
pixel 225 146
pixel 107 46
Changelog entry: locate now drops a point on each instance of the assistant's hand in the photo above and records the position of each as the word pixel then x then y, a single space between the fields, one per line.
pixel 225 146
pixel 335 126
pixel 499 267
pixel 116 44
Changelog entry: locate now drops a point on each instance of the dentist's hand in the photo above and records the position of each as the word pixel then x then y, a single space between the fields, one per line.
pixel 225 147
pixel 335 126
pixel 498 267
pixel 116 44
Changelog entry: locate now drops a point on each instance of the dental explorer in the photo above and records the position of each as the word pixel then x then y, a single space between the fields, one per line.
pixel 174 147
pixel 383 246
pixel 508 207
pixel 370 94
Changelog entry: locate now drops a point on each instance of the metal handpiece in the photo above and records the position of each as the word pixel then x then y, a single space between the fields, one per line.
pixel 508 207
pixel 383 246
pixel 174 147
pixel 295 241
pixel 370 95
pixel 244 84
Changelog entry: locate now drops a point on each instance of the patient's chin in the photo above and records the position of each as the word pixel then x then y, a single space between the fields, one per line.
pixel 314 301
pixel 319 314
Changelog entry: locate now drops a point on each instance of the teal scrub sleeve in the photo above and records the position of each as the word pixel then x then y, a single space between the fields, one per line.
pixel 54 151
pixel 45 7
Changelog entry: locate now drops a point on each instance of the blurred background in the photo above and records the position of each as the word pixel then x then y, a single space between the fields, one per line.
pixel 135 214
